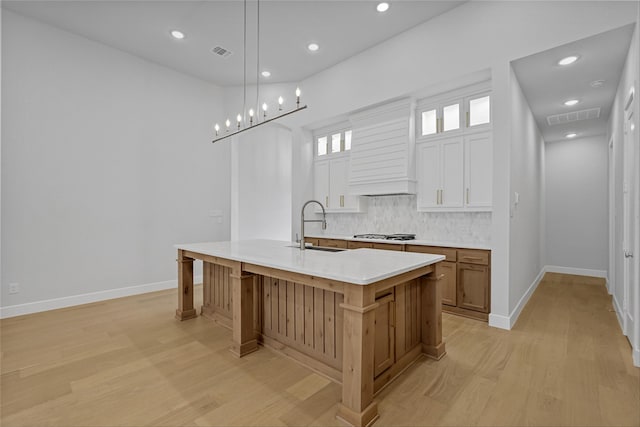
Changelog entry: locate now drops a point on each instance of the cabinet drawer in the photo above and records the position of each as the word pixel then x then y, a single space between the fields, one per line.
pixel 449 253
pixel 332 243
pixel 388 246
pixel 311 240
pixel 473 256
pixel 357 245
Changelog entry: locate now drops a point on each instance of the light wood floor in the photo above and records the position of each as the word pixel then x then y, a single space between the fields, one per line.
pixel 127 362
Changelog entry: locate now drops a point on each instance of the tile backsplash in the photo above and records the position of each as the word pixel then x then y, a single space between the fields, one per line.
pixel 398 214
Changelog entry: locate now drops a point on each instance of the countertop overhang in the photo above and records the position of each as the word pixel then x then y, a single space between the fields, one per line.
pixel 358 266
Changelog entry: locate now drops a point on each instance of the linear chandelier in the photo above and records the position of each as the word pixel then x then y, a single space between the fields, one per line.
pixel 255 119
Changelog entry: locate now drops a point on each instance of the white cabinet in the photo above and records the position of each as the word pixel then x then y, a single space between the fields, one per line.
pixel 440 174
pixel 455 173
pixel 454 113
pixel 478 167
pixel 331 178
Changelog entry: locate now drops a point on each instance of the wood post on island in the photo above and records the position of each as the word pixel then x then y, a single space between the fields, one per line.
pixel 358 407
pixel 431 293
pixel 185 287
pixel 244 334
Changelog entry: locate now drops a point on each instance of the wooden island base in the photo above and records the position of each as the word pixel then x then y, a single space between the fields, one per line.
pixel 362 336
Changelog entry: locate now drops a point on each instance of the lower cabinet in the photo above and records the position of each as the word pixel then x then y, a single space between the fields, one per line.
pixel 473 287
pixel 332 243
pixel 384 351
pixel 449 291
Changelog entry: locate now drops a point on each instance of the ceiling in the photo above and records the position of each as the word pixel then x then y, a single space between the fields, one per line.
pixel 341 28
pixel 547 85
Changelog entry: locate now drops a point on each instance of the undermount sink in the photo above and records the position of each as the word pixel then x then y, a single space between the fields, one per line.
pixel 319 248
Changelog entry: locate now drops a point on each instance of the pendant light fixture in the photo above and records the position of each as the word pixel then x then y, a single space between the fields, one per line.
pixel 252 118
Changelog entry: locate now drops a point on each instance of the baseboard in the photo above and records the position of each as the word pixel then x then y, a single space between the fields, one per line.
pixel 499 321
pixel 618 310
pixel 513 317
pixel 507 322
pixel 73 300
pixel 576 271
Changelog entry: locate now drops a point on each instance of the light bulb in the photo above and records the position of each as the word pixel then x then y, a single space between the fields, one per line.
pixel 250 116
pixel 251 112
pixel 264 110
pixel 217 128
pixel 298 97
pixel 228 123
pixel 280 101
pixel 298 91
pixel 239 118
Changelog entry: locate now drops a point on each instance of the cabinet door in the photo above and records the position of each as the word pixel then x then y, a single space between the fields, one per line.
pixel 473 287
pixel 478 170
pixel 452 173
pixel 321 183
pixel 384 347
pixel 449 292
pixel 339 185
pixel 428 168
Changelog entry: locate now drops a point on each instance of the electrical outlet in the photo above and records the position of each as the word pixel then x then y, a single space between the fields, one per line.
pixel 14 288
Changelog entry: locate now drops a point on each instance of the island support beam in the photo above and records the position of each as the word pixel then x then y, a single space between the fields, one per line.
pixel 244 334
pixel 185 308
pixel 431 293
pixel 358 407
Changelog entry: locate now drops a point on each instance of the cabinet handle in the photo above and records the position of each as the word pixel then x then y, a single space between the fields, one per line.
pixel 327 201
pixel 441 197
pixel 341 201
pixel 467 196
pixel 468 120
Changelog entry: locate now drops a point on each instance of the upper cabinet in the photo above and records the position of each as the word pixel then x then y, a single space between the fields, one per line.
pixel 382 152
pixel 331 171
pixel 454 151
pixel 441 116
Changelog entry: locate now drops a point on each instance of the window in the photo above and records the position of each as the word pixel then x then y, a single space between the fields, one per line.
pixel 451 117
pixel 479 111
pixel 322 146
pixel 335 143
pixel 429 122
pixel 330 142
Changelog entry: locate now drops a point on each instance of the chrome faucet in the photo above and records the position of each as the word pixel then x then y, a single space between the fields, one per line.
pixel 302 221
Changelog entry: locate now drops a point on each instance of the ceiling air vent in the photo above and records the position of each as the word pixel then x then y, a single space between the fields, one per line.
pixel 219 50
pixel 575 116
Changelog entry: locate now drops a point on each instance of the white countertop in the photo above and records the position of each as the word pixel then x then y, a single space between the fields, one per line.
pixel 359 266
pixel 405 242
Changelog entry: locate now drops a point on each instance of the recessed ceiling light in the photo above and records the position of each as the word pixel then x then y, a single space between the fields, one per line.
pixel 177 34
pixel 571 102
pixel 597 83
pixel 571 135
pixel 568 60
pixel 382 7
pixel 313 47
pixel 266 73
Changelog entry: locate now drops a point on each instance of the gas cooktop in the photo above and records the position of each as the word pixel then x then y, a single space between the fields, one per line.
pixel 385 236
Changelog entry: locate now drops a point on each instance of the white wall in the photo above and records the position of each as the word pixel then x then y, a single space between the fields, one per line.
pixel 527 201
pixel 577 208
pixel 261 187
pixel 615 133
pixel 105 165
pixel 488 35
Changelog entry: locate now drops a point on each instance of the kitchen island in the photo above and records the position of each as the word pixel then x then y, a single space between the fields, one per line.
pixel 360 317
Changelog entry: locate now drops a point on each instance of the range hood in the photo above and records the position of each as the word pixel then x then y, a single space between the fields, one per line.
pixel 382 150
